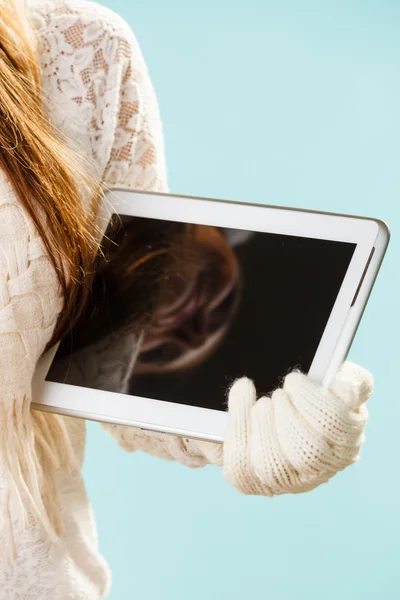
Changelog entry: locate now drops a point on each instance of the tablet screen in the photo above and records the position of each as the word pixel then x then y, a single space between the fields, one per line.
pixel 179 311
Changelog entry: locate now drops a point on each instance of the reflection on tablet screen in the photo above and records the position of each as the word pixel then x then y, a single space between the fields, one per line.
pixel 178 311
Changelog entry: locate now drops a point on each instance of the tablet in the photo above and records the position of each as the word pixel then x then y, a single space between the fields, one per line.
pixel 192 293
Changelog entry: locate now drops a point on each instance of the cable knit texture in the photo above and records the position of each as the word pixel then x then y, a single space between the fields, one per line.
pixel 98 94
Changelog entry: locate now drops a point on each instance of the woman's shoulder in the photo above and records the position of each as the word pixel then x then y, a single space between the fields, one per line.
pixel 84 49
pixel 92 17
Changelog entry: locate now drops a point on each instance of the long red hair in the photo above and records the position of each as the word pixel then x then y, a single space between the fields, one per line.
pixel 50 182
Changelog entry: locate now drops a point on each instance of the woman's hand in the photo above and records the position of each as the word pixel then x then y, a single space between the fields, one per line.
pixel 288 443
pixel 299 437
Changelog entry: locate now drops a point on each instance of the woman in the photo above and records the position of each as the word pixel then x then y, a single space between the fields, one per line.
pixel 74 90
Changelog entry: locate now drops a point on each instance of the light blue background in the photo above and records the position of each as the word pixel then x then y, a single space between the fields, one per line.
pixel 290 103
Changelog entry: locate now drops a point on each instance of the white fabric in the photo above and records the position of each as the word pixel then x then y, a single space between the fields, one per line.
pixel 98 94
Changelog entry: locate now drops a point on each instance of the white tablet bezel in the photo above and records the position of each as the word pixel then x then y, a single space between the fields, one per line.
pixel 370 236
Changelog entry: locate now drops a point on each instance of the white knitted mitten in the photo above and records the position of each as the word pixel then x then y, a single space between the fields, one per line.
pixel 299 437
